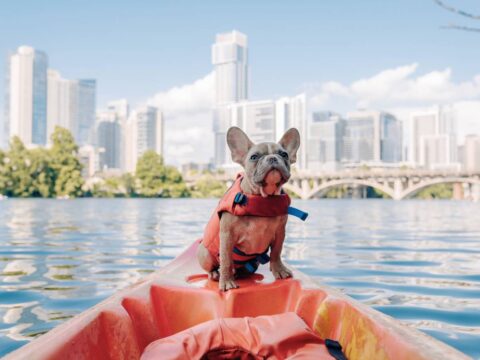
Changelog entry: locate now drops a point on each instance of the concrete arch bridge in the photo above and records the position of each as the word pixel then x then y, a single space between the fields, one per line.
pixel 398 184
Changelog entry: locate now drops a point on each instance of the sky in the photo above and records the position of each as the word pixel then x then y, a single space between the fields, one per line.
pixel 392 55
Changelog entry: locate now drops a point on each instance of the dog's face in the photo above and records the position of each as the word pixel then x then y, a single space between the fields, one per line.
pixel 260 160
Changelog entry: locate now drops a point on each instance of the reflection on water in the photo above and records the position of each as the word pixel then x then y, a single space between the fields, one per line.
pixel 416 261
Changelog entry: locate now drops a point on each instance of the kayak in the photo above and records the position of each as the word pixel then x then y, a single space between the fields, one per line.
pixel 177 312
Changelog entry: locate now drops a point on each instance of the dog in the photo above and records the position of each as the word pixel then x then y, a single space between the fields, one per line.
pixel 266 168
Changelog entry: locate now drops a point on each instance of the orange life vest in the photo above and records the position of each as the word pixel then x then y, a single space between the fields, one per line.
pixel 236 202
pixel 274 337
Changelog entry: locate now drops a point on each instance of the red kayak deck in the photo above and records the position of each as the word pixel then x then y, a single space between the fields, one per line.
pixel 180 296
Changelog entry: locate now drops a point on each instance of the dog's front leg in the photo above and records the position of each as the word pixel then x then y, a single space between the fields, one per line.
pixel 277 268
pixel 226 281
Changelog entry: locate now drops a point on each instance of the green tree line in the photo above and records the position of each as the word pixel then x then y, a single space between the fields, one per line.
pixel 57 172
pixel 42 172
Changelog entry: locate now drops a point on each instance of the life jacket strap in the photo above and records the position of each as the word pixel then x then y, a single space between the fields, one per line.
pixel 302 215
pixel 335 349
pixel 242 199
pixel 255 260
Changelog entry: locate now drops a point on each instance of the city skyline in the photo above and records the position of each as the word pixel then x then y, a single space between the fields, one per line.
pixel 38 97
pixel 400 85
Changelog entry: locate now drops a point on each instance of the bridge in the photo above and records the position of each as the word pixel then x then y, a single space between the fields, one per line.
pixel 398 183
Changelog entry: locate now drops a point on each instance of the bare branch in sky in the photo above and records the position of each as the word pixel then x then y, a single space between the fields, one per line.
pixel 457 11
pixel 458 27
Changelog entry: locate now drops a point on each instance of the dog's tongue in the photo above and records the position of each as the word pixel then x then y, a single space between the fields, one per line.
pixel 271 180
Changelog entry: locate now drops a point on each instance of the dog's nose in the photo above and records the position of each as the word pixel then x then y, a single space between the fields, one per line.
pixel 272 160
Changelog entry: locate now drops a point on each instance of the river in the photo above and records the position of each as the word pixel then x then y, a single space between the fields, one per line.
pixel 418 261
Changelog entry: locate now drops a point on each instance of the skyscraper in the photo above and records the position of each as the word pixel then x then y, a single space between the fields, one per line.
pixel 144 131
pixel 292 112
pixel 471 156
pixel 371 136
pixel 71 104
pixel 86 93
pixel 324 143
pixel 108 140
pixel 256 118
pixel 26 95
pixel 433 141
pixel 60 110
pixel 230 59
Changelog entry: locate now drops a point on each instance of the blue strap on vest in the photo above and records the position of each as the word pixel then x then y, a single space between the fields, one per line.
pixel 251 265
pixel 302 215
pixel 240 198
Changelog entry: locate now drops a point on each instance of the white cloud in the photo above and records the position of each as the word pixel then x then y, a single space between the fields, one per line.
pixel 402 90
pixel 188 114
pixel 188 120
pixel 399 86
pixel 186 99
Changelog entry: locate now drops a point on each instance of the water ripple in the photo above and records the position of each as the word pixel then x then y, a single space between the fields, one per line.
pixel 416 261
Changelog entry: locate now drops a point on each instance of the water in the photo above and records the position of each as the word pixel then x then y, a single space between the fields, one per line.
pixel 416 261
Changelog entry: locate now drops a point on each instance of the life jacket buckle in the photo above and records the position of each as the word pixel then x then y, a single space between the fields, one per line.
pixel 263 258
pixel 240 199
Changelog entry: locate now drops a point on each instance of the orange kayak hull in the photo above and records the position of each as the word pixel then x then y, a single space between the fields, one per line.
pixel 179 296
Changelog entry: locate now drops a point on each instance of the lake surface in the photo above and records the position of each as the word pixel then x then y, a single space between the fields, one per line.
pixel 418 261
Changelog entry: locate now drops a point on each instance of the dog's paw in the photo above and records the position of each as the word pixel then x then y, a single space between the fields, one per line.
pixel 214 275
pixel 228 284
pixel 280 271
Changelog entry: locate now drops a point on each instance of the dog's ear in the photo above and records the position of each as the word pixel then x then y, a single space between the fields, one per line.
pixel 239 144
pixel 290 141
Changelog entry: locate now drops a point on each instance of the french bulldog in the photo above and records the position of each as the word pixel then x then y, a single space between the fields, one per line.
pixel 252 234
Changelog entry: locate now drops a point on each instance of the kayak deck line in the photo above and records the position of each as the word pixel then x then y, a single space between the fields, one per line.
pixel 180 296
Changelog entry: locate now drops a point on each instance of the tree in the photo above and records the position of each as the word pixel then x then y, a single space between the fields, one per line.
pixel 157 180
pixel 128 184
pixel 65 163
pixel 3 173
pixel 207 187
pixel 174 185
pixel 42 174
pixel 17 170
pixel 150 173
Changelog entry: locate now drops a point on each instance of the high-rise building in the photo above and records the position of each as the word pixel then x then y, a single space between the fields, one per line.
pixel 86 92
pixel 26 95
pixel 292 112
pixel 433 141
pixel 71 104
pixel 436 150
pixel 471 154
pixel 108 140
pixel 371 136
pixel 230 59
pixel 144 131
pixel 256 118
pixel 324 143
pixel 61 103
pixel 121 109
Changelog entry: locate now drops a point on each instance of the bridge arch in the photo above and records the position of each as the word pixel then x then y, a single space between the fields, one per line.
pixel 324 187
pixel 412 190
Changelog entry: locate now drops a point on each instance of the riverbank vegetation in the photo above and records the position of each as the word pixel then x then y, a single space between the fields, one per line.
pixel 42 172
pixel 56 172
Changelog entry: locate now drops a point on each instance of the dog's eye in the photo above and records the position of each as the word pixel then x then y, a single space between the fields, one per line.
pixel 254 157
pixel 283 154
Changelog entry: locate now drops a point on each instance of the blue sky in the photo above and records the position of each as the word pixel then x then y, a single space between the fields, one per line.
pixel 138 48
pixel 135 48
